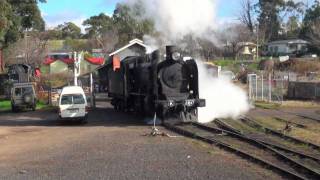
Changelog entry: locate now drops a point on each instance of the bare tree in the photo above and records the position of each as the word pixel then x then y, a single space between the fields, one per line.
pixel 246 15
pixel 233 37
pixel 30 50
pixel 106 42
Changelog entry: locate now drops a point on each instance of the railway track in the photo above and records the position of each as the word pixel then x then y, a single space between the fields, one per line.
pixel 252 122
pixel 271 156
pixel 316 119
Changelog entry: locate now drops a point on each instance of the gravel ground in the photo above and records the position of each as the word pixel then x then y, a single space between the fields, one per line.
pixel 34 145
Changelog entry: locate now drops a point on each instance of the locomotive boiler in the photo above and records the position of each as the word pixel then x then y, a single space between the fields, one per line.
pixel 149 84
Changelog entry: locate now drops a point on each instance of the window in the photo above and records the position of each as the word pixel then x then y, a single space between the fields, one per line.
pixel 72 99
pixel 26 90
pixel 18 92
pixel 22 91
pixel 66 100
pixel 78 99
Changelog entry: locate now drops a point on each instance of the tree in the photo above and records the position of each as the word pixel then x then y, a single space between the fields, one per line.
pixel 292 27
pixel 233 36
pixel 69 30
pixel 311 26
pixel 130 22
pixel 31 49
pixel 16 17
pixel 28 13
pixel 5 21
pixel 98 25
pixel 271 14
pixel 102 32
pixel 247 14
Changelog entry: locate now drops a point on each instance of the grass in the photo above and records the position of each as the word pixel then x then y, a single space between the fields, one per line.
pixel 234 66
pixel 287 104
pixel 5 105
pixel 266 105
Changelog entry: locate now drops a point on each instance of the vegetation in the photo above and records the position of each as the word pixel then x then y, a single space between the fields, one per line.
pixel 16 17
pixel 6 105
pixel 266 105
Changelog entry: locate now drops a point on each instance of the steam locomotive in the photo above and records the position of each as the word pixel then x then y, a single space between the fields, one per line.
pixel 148 85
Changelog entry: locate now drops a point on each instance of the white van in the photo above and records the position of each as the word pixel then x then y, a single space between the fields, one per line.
pixel 73 104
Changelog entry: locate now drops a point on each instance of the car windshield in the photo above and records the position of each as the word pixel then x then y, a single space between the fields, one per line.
pixel 72 99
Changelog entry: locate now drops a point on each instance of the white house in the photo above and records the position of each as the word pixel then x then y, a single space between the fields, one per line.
pixel 286 47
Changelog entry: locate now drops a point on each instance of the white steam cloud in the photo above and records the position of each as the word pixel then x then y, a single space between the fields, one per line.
pixel 223 98
pixel 175 19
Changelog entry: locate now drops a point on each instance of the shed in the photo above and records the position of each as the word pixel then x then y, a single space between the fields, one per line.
pixel 134 48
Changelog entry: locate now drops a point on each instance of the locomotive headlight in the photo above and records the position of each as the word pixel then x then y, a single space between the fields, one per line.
pixel 189 103
pixel 176 56
pixel 171 103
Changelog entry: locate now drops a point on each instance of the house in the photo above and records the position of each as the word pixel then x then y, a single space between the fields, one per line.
pixel 57 63
pixel 287 47
pixel 134 48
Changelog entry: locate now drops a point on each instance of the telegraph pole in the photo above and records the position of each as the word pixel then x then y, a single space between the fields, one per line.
pixel 75 68
pixel 257 42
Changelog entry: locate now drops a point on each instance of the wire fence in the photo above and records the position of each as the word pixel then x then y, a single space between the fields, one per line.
pixel 264 87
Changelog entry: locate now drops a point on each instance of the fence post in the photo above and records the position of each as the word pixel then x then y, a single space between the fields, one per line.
pixel 270 88
pixel 262 87
pixel 256 87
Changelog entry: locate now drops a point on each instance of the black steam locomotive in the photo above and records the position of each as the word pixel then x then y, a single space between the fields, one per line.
pixel 147 85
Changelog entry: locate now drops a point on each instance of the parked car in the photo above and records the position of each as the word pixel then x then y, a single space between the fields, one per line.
pixel 73 104
pixel 23 95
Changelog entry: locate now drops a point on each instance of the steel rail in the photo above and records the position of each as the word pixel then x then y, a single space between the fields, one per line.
pixel 212 140
pixel 279 134
pixel 277 146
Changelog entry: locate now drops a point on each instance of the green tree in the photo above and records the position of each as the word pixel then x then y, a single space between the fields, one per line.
pixel 5 21
pixel 98 25
pixel 271 15
pixel 311 26
pixel 17 16
pixel 69 30
pixel 28 12
pixel 293 27
pixel 130 22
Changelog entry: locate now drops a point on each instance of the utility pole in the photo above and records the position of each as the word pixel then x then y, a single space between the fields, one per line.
pixel 77 60
pixel 257 42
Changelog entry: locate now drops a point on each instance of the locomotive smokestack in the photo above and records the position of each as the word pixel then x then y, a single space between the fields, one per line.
pixel 155 56
pixel 170 50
